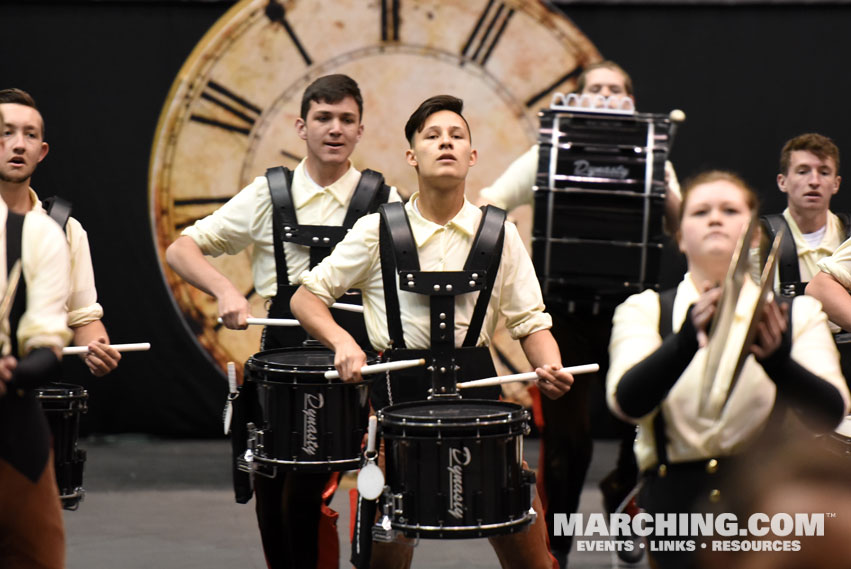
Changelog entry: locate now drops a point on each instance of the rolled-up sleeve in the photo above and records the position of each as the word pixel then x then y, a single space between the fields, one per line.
pixel 838 265
pixel 521 302
pixel 83 306
pixel 46 264
pixel 228 230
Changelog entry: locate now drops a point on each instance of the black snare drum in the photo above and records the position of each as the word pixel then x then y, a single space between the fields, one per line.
pixel 599 202
pixel 63 404
pixel 454 468
pixel 305 422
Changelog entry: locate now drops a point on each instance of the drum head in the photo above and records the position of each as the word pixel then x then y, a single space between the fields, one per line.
pixel 304 364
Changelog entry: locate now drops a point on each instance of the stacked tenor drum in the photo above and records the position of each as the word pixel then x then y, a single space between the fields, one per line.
pixel 599 201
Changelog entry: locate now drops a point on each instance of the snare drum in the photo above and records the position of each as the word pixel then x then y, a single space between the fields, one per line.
pixel 454 468
pixel 305 422
pixel 63 404
pixel 839 441
pixel 599 202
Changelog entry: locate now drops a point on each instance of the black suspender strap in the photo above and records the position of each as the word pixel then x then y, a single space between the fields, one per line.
pixel 485 255
pixel 787 266
pixel 283 217
pixel 666 314
pixel 58 209
pixel 369 194
pixel 321 239
pixel 14 238
pixel 393 240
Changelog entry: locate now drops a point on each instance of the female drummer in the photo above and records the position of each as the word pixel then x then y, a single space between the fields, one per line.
pixel 658 351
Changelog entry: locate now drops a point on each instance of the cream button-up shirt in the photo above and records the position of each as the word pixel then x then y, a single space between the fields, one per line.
pixel 838 265
pixel 246 219
pixel 46 266
pixel 635 335
pixel 355 263
pixel 83 306
pixel 808 257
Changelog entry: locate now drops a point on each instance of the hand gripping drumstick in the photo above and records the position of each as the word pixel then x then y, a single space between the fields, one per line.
pixel 378 368
pixel 140 347
pixel 530 376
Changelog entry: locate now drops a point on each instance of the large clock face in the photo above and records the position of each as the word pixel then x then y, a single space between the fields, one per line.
pixel 230 114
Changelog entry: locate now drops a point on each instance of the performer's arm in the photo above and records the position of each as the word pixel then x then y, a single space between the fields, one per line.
pixel 101 358
pixel 542 352
pixel 316 319
pixel 187 260
pixel 835 300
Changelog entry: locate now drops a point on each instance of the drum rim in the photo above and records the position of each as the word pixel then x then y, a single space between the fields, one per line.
pixel 528 517
pixel 52 392
pixel 511 413
pixel 255 362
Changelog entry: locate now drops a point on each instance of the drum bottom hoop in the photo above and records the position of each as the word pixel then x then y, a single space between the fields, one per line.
pixel 310 466
pixel 465 532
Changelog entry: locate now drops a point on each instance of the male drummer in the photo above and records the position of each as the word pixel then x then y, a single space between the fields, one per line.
pixel 31 528
pixel 440 226
pixel 582 330
pixel 25 149
pixel 809 176
pixel 323 190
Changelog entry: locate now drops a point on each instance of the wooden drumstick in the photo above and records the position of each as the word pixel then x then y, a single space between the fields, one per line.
pixel 529 376
pixel 378 368
pixel 140 347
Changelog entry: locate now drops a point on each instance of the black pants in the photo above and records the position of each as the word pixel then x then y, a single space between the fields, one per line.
pixel 567 444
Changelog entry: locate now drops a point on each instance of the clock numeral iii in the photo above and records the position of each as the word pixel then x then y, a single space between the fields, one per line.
pixel 245 113
pixel 389 20
pixel 487 32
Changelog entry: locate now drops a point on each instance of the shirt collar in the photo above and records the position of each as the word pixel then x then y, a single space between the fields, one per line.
pixel 423 229
pixel 36 203
pixel 833 232
pixel 341 189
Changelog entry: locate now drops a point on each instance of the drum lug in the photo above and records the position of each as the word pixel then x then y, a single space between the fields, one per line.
pixel 391 504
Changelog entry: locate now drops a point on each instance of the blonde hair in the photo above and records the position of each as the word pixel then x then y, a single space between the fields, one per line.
pixel 715 176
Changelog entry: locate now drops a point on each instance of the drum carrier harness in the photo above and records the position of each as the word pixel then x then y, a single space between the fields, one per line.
pixel 789 271
pixel 446 363
pixel 370 192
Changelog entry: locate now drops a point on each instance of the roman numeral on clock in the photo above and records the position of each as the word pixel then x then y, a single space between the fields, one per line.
pixel 389 20
pixel 487 32
pixel 243 114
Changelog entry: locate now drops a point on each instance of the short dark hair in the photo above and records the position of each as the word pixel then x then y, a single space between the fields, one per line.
pixel 429 107
pixel 20 97
pixel 818 144
pixel 331 89
pixel 607 64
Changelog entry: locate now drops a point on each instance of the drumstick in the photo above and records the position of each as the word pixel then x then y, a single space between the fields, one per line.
pixel 140 347
pixel 530 376
pixel 348 307
pixel 269 321
pixel 378 368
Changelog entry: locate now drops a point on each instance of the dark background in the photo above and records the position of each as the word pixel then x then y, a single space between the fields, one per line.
pixel 748 76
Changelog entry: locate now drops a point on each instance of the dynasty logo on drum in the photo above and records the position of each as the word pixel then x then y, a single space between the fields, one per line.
pixel 310 439
pixel 458 459
pixel 585 168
